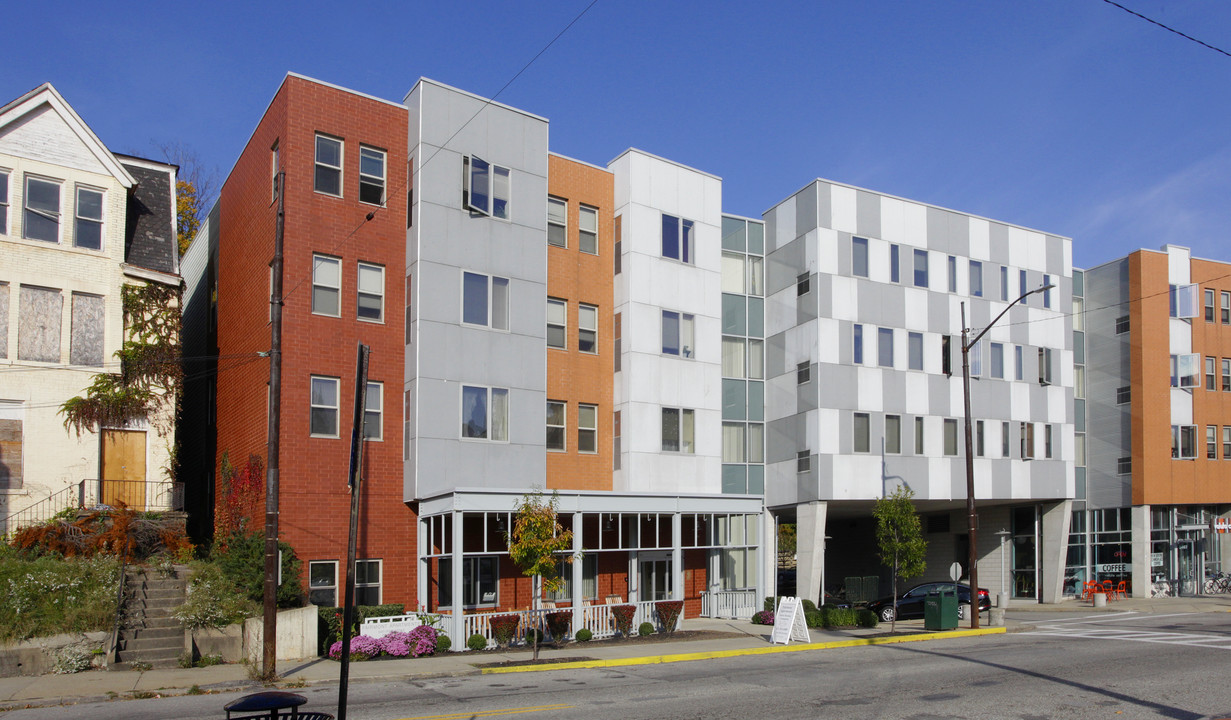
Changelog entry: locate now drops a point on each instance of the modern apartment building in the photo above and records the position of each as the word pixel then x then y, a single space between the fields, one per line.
pixel 865 299
pixel 1157 379
pixel 81 228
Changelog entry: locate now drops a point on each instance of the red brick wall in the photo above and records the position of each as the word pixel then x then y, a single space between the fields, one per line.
pixel 314 502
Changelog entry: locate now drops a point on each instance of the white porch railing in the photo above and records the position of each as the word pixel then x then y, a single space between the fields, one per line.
pixel 739 604
pixel 378 627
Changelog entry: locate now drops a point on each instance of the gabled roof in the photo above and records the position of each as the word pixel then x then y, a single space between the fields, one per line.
pixel 149 234
pixel 46 95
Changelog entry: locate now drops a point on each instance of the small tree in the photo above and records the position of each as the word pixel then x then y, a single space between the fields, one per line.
pixel 898 533
pixel 535 543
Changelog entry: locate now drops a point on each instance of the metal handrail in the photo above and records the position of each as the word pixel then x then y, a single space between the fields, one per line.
pixel 119 604
pixel 41 510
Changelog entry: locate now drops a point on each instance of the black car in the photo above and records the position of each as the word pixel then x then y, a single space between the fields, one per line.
pixel 910 603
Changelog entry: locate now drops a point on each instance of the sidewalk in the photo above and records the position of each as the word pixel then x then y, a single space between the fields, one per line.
pixel 743 638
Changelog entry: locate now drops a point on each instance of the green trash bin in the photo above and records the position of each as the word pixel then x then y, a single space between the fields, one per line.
pixel 940 610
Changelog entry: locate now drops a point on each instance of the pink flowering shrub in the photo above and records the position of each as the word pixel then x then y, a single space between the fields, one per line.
pixel 416 643
pixel 764 617
pixel 422 641
pixel 362 647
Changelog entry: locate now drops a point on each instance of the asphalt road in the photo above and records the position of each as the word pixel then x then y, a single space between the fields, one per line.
pixel 1071 665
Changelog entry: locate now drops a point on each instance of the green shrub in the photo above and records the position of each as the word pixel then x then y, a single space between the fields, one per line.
pixel 669 612
pixel 583 635
pixel 623 615
pixel 770 605
pixel 241 556
pixel 558 624
pixel 814 619
pixel 534 636
pixel 476 642
pixel 504 627
pixel 208 660
pixel 809 606
pixel 212 600
pixel 49 595
pixel 645 629
pixel 866 618
pixel 443 643
pixel 839 617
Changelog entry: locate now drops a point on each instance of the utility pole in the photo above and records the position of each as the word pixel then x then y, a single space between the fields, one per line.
pixel 355 484
pixel 269 667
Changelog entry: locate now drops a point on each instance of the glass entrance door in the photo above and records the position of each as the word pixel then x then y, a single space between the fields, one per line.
pixel 654 577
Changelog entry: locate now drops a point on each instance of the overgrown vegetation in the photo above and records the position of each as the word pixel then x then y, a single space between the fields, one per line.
pixel 213 600
pixel 47 595
pixel 122 532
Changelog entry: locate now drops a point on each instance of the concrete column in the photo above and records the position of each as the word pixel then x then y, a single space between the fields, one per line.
pixel 810 570
pixel 578 569
pixel 1142 582
pixel 457 622
pixel 1223 542
pixel 423 545
pixel 1055 549
pixel 677 556
pixel 767 558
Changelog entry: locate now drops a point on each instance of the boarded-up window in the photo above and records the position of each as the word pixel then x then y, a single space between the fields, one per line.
pixel 86 345
pixel 4 320
pixel 10 447
pixel 38 324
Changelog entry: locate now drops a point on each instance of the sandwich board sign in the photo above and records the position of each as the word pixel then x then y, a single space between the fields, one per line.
pixel 789 622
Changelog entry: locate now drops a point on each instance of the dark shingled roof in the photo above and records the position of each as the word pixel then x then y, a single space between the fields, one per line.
pixel 149 236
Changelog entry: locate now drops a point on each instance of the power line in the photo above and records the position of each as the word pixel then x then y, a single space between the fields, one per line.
pixel 1167 28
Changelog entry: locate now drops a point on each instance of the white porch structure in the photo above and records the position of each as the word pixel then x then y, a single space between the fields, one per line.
pixel 650 532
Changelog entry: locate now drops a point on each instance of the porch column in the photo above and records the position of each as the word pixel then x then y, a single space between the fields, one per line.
pixel 677 556
pixel 1142 582
pixel 1055 549
pixel 578 576
pixel 810 569
pixel 767 558
pixel 1223 542
pixel 457 621
pixel 422 563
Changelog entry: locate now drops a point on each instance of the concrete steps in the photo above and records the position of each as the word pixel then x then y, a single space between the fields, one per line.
pixel 150 635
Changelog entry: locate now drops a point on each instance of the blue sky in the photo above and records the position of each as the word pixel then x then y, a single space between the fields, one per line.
pixel 1069 116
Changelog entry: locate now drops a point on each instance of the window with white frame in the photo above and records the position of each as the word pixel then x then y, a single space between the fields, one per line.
pixel 734 275
pixel 1004 283
pixel 88 230
pixel 1021 284
pixel 4 202
pixel 328 178
pixel 857 344
pixel 734 442
pixel 921 268
pixel 324 407
pixel 1019 358
pixel 41 220
pixel 976 278
pixel 859 257
pixel 918 435
pixel 884 347
pixel 587 428
pixel 589 579
pixel 914 350
pixel 1124 394
pixel 756 276
pixel 979 439
pixel 1047 292
pixel 677 430
pixel 946 354
pixel 976 359
pixel 756 359
pixel 1211 442
pixel 1225 307
pixel 367 582
pixel 323 583
pixel 488 188
pixel 1122 324
pixel 1226 442
pixel 893 434
pixel 557 222
pixel 1209 305
pixel 1184 442
pixel 326 285
pixel 950 436
pixel 1183 301
pixel 557 323
pixel 1045 366
pixel 480 581
pixel 587 329
pixel 677 237
pixel 803 373
pixel 371 175
pixel 895 264
pixel 1185 370
pixel 803 461
pixel 1124 466
pixel 803 284
pixel 1005 448
pixel 1047 447
pixel 485 300
pixel 485 413
pixel 733 354
pixel 587 229
pixel 557 413
pixel 374 412
pixel 952 274
pixel 371 284
pixel 1211 373
pixel 677 334
pixel 861 430
pixel 1027 440
pixel 998 360
pixel 1226 374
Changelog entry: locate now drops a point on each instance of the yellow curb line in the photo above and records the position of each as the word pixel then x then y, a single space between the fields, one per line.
pixel 712 654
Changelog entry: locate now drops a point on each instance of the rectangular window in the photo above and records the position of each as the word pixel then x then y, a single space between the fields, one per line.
pixel 480 581
pixel 756 276
pixel 617 246
pixel 1004 283
pixel 1124 466
pixel 756 359
pixel 861 432
pixel 371 176
pixel 921 268
pixel 1122 324
pixel 367 582
pixel 40 314
pixel 950 436
pixel 1211 373
pixel 485 301
pixel 557 222
pixel 1185 370
pixel 998 360
pixel 324 407
pixel 328 178
pixel 952 267
pixel 946 355
pixel 1184 442
pixel 734 442
pixel 1021 282
pixel 1226 442
pixel 1183 301
pixel 1027 435
pixel 326 285
pixel 677 334
pixel 918 435
pixel 857 346
pixel 4 202
pixel 884 347
pixel 803 462
pixel 976 359
pixel 374 412
pixel 859 257
pixel 803 373
pixel 323 583
pixel 485 413
pixel 615 440
pixel 274 167
pixel 895 264
pixel 617 339
pixel 86 341
pixel 1046 293
pixel 802 285
pixel 587 230
pixel 979 438
pixel 1226 374
pixel 557 320
pixel 914 350
pixel 556 429
pixel 88 232
pixel 893 434
pixel 734 275
pixel 976 278
pixel 677 430
pixel 756 443
pixel 677 238
pixel 1045 366
pixel 587 428
pixel 1211 442
pixel 371 301
pixel 1019 357
pixel 1005 448
pixel 1225 308
pixel 733 357
pixel 1209 306
pixel 587 329
pixel 1124 395
pixel 41 220
pixel 488 188
pixel 1047 441
pixel 406 417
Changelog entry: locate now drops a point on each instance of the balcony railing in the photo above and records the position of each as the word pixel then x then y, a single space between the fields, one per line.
pixel 738 604
pixel 88 494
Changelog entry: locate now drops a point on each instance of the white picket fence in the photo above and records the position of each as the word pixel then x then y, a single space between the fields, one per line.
pixel 738 604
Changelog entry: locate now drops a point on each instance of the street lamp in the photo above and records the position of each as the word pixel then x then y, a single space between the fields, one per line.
pixel 972 559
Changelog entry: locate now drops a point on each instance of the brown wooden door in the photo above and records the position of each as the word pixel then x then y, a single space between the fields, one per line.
pixel 124 468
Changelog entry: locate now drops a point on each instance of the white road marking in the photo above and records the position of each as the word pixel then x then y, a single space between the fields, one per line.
pixel 1071 628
